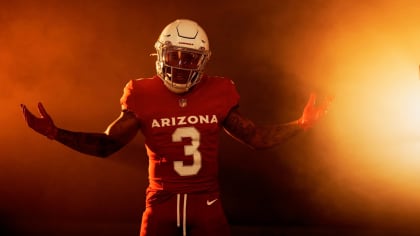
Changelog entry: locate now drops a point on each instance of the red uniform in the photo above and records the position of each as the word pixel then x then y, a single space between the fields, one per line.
pixel 182 138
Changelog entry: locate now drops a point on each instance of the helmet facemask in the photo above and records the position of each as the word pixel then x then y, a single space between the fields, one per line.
pixel 181 68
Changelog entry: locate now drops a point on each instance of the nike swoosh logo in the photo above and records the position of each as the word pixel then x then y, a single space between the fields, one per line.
pixel 211 202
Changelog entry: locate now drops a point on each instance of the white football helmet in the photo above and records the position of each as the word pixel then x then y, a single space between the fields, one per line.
pixel 182 53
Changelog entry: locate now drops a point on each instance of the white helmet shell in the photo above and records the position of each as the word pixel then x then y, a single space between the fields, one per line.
pixel 185 33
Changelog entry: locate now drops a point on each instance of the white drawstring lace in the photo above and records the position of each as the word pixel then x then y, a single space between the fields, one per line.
pixel 177 210
pixel 184 213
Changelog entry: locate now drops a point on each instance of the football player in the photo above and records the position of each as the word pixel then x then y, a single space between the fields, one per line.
pixel 180 112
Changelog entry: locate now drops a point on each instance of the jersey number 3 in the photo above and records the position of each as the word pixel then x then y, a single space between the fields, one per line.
pixel 189 150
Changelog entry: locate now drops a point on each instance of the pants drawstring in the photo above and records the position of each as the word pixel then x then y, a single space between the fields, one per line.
pixel 184 230
pixel 178 224
pixel 184 213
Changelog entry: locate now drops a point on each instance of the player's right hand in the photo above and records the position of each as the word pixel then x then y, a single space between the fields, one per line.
pixel 313 112
pixel 43 124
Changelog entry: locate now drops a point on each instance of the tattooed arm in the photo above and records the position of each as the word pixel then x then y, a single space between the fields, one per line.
pixel 259 137
pixel 117 135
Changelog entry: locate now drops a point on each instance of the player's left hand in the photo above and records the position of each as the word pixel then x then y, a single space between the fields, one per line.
pixel 313 111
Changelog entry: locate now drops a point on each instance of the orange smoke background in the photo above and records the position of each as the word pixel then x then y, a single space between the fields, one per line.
pixel 359 168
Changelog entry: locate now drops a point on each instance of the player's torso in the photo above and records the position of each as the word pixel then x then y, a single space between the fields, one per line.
pixel 182 135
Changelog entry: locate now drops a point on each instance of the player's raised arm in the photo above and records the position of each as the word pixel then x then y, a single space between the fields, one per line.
pixel 260 137
pixel 117 135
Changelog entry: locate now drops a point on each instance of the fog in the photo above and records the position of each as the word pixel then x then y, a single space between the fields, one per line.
pixel 357 168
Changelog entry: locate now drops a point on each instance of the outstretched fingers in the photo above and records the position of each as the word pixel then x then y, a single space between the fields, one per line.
pixel 29 117
pixel 43 125
pixel 311 100
pixel 314 110
pixel 42 111
pixel 321 107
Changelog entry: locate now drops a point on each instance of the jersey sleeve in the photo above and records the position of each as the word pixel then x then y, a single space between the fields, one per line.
pixel 232 95
pixel 127 100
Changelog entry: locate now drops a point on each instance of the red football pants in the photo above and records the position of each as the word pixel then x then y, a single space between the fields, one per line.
pixel 186 215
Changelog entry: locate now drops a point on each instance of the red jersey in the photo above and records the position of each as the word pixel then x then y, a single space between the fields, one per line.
pixel 181 130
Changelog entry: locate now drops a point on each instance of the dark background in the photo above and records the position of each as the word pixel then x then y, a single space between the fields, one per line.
pixel 355 173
